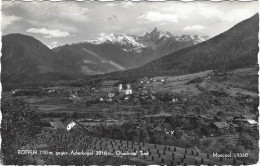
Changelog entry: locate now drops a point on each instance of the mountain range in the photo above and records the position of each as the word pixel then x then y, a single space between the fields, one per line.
pixel 25 58
pixel 117 52
pixel 235 48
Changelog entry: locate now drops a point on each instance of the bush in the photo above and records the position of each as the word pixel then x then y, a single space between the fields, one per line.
pixel 196 80
pixel 206 142
pixel 246 140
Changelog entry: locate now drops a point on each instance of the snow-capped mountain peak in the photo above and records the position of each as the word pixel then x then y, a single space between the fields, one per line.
pixel 156 35
pixel 155 40
pixel 127 42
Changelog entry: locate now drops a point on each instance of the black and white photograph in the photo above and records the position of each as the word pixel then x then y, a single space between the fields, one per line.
pixel 129 83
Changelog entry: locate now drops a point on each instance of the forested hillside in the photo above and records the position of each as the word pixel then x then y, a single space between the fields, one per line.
pixel 235 48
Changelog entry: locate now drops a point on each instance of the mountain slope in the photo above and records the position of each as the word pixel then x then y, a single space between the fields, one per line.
pixel 97 59
pixel 25 58
pixel 114 52
pixel 235 48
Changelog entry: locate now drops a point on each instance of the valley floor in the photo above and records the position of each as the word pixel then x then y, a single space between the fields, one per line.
pixel 207 112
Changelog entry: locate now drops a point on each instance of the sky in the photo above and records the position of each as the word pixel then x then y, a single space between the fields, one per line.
pixel 58 23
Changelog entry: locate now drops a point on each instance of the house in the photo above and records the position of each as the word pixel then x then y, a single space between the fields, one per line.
pixel 111 94
pixel 157 128
pixel 229 118
pixel 109 100
pixel 127 91
pixel 14 91
pixel 220 127
pixel 244 118
pixel 248 116
pixel 127 98
pixel 251 122
pixel 57 125
pixel 236 126
pixel 166 128
pixel 71 125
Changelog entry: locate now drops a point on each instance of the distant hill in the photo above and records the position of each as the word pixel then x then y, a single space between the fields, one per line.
pixel 235 48
pixel 25 58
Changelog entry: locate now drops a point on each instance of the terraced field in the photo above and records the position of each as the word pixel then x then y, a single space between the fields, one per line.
pixel 146 153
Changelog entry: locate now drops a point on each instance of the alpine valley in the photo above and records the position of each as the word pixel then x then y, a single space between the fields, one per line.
pixel 117 52
pixel 24 58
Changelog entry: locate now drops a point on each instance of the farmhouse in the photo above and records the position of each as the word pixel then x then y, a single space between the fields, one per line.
pixel 220 127
pixel 247 116
pixel 229 118
pixel 250 122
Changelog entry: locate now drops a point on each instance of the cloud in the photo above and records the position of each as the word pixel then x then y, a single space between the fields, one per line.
pixel 8 20
pixel 120 4
pixel 53 44
pixel 152 17
pixel 194 28
pixel 110 4
pixel 163 23
pixel 208 11
pixel 54 24
pixel 127 4
pixel 69 10
pixel 236 15
pixel 49 33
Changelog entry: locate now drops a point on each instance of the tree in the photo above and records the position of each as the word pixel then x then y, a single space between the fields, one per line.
pixel 232 130
pixel 220 113
pixel 206 142
pixel 117 132
pixel 178 132
pixel 17 129
pixel 186 124
pixel 239 149
pixel 246 140
pixel 74 115
pixel 135 135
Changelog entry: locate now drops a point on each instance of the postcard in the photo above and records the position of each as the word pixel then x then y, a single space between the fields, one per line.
pixel 129 83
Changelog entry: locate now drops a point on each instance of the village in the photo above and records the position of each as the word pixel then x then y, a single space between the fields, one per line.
pixel 141 112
